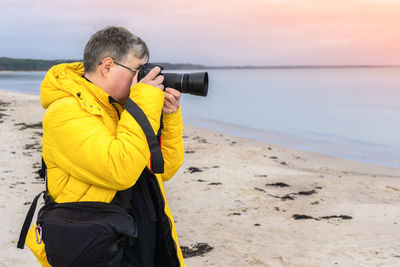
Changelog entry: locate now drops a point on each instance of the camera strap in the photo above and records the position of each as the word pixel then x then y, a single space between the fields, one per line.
pixel 156 160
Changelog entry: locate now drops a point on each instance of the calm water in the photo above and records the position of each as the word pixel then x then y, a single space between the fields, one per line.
pixel 351 113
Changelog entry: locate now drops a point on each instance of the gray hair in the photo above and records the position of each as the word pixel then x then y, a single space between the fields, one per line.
pixel 114 42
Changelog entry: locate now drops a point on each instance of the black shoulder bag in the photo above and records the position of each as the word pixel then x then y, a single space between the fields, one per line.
pixel 88 233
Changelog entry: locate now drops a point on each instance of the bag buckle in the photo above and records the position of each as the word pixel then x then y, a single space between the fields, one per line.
pixel 38 234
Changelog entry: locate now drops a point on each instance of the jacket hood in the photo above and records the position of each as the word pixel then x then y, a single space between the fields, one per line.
pixel 61 81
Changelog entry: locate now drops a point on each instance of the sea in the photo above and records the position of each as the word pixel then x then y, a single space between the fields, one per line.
pixel 351 113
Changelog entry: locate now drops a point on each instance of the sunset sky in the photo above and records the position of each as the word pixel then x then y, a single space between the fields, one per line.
pixel 224 32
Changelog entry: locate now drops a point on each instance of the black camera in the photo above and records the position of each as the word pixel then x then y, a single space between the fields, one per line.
pixel 193 83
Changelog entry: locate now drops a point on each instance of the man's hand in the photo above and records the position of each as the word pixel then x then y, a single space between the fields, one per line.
pixel 151 79
pixel 171 100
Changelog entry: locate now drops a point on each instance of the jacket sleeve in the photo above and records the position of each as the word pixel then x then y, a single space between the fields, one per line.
pixel 82 145
pixel 172 143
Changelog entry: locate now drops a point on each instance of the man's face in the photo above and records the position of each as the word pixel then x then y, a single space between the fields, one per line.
pixel 121 78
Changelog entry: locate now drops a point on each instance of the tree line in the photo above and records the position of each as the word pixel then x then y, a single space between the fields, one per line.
pixel 19 64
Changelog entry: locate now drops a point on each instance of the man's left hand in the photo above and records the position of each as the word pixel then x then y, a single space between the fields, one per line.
pixel 171 100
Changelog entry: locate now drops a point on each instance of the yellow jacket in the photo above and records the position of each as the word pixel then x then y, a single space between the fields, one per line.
pixel 90 152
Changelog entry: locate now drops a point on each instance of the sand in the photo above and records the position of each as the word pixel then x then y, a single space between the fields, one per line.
pixel 236 202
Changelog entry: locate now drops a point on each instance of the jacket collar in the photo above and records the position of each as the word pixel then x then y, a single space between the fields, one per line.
pixel 67 79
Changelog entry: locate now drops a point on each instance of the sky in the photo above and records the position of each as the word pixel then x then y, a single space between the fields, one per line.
pixel 208 32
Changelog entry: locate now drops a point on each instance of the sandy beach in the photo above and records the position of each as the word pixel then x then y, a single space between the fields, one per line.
pixel 236 201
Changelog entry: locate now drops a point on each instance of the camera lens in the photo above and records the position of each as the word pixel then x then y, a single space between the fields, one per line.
pixel 193 83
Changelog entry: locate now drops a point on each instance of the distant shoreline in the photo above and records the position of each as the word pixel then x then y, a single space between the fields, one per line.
pixel 17 64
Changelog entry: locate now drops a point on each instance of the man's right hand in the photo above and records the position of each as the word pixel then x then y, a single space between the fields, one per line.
pixel 152 79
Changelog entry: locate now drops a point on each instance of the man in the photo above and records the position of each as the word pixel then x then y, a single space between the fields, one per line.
pixel 95 150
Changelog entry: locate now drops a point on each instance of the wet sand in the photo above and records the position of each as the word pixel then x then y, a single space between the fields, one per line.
pixel 236 202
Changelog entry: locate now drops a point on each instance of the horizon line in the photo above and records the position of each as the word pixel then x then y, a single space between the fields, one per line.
pixel 286 66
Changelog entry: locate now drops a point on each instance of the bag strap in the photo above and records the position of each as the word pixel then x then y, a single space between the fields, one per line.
pixel 28 221
pixel 157 160
pixel 43 174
